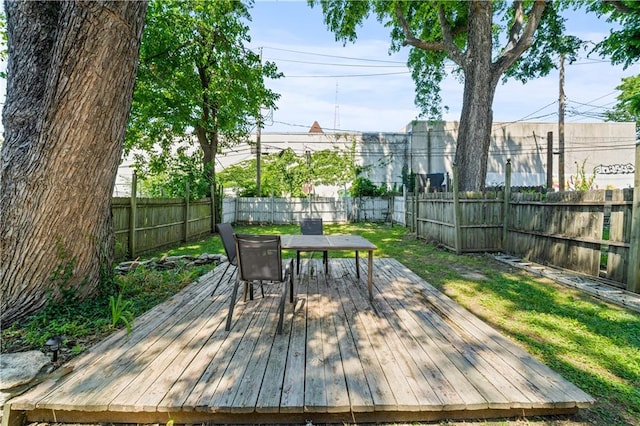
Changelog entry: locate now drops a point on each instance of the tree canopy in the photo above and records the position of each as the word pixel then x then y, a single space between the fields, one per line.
pixel 622 45
pixel 197 85
pixel 628 106
pixel 486 41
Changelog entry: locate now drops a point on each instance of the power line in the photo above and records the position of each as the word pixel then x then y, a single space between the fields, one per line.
pixel 333 56
pixel 348 75
pixel 332 64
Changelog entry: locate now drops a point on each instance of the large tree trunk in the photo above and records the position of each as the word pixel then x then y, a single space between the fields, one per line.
pixel 474 134
pixel 71 72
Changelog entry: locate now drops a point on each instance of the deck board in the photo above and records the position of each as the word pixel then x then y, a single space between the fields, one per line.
pixel 411 354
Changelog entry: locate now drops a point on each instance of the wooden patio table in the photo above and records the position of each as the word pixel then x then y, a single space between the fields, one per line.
pixel 334 242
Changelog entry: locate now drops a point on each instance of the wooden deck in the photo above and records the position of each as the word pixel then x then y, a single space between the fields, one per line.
pixel 412 355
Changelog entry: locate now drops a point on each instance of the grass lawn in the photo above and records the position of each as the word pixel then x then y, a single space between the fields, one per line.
pixel 593 344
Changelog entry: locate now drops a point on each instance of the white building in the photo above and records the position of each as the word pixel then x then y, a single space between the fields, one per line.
pixel 428 148
pixel 608 149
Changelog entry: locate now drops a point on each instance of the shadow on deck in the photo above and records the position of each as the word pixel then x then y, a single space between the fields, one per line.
pixel 411 355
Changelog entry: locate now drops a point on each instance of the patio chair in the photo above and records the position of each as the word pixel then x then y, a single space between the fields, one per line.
pixel 312 226
pixel 225 231
pixel 260 260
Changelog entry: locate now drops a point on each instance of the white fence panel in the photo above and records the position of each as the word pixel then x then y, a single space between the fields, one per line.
pixel 331 210
pixel 228 210
pixel 399 210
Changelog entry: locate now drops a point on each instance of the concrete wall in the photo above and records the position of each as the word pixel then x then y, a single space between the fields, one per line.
pixel 429 147
pixel 607 148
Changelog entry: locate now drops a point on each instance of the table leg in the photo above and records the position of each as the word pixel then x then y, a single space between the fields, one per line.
pixel 370 276
pixel 357 265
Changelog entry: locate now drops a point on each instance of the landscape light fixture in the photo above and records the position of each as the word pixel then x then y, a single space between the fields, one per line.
pixel 53 345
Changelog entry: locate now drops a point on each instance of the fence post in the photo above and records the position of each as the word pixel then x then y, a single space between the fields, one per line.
pixel 415 207
pixel 507 201
pixel 132 215
pixel 456 211
pixel 550 160
pixel 273 213
pixel 213 209
pixel 186 212
pixel 633 271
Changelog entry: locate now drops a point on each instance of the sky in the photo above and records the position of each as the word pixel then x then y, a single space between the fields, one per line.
pixel 361 87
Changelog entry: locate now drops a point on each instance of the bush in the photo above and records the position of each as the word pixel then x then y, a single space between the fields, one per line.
pixel 363 187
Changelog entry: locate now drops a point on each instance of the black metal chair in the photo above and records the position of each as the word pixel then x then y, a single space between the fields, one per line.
pixel 225 231
pixel 312 226
pixel 260 260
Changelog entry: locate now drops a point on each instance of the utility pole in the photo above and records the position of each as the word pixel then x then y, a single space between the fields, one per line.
pixel 258 158
pixel 550 161
pixel 561 128
pixel 258 147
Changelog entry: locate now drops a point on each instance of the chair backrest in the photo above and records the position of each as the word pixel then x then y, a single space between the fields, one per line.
pixel 226 235
pixel 311 226
pixel 259 257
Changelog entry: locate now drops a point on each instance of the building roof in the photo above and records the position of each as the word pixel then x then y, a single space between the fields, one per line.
pixel 315 128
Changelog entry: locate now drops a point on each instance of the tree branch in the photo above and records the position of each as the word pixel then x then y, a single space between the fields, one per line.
pixel 619 6
pixel 517 24
pixel 512 53
pixel 413 40
pixel 455 54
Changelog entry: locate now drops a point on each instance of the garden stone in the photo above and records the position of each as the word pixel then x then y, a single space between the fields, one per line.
pixel 170 262
pixel 21 367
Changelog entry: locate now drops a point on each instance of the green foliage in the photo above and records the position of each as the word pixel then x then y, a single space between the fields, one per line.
pixel 628 106
pixel 363 187
pixel 120 312
pixel 429 62
pixel 286 173
pixel 81 320
pixel 622 44
pixel 580 181
pixel 63 273
pixel 3 42
pixel 171 178
pixel 198 86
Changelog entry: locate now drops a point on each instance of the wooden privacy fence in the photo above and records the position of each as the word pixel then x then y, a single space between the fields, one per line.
pixel 593 232
pixel 587 232
pixel 142 225
pixel 473 223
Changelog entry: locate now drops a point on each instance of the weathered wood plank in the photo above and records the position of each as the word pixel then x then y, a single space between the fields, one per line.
pixel 163 373
pixel 432 389
pixel 360 398
pixel 381 390
pixel 506 352
pixel 116 345
pixel 292 400
pixel 447 370
pixel 247 366
pixel 399 372
pixel 268 399
pixel 315 387
pixel 412 354
pixel 335 382
pixel 199 398
pixel 121 364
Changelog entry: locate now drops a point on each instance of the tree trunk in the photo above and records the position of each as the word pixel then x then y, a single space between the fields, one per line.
pixel 71 71
pixel 474 134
